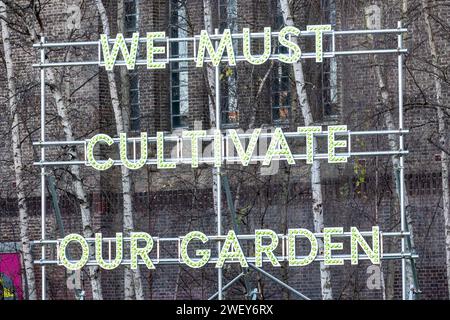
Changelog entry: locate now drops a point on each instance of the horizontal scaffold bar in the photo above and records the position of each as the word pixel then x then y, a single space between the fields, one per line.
pixel 322 33
pixel 230 160
pixel 277 247
pixel 203 147
pixel 212 36
pixel 175 261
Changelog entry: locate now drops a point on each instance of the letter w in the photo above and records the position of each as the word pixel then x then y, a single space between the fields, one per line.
pixel 111 57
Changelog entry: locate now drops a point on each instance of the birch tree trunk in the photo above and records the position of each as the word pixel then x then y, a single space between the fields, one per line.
pixel 17 158
pixel 390 124
pixel 124 73
pixel 131 276
pixel 80 192
pixel 30 18
pixel 210 84
pixel 316 185
pixel 393 145
pixel 442 129
pixel 210 74
pixel 124 102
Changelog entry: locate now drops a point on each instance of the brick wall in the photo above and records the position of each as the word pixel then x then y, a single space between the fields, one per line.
pixel 171 203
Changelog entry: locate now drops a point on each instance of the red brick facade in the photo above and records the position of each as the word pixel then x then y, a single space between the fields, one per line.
pixel 171 203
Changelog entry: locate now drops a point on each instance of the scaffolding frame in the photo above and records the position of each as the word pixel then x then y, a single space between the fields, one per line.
pixel 43 144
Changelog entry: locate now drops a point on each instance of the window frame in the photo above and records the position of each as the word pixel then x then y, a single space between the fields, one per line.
pixel 133 75
pixel 183 68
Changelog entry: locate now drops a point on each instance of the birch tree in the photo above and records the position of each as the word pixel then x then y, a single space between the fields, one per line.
pixel 390 124
pixel 442 130
pixel 80 192
pixel 124 74
pixel 210 76
pixel 30 19
pixel 17 156
pixel 211 85
pixel 132 278
pixel 316 185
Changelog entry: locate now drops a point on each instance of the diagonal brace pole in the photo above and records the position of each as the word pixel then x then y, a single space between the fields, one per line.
pixel 228 285
pixel 281 283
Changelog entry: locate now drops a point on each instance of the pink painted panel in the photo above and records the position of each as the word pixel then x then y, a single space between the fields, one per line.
pixel 10 277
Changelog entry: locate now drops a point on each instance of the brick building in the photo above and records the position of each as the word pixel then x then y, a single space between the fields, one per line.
pixel 342 90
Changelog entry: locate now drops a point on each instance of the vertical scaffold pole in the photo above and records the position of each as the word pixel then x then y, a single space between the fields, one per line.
pixel 218 175
pixel 43 204
pixel 402 160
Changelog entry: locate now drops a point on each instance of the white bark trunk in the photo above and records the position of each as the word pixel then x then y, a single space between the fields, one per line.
pixel 94 271
pixel 210 84
pixel 125 99
pixel 124 74
pixel 393 145
pixel 442 129
pixel 210 73
pixel 18 160
pixel 131 276
pixel 316 185
pixel 80 192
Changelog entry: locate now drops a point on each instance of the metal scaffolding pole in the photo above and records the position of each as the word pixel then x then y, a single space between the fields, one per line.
pixel 43 204
pixel 227 286
pixel 281 283
pixel 402 160
pixel 218 176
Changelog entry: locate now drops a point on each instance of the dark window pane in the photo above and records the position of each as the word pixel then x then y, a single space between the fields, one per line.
pixel 328 110
pixel 175 79
pixel 175 108
pixel 134 81
pixel 134 97
pixel 224 103
pixel 179 122
pixel 130 22
pixel 222 26
pixel 285 99
pixel 276 99
pixel 326 66
pixel 135 114
pixel 136 125
pixel 283 50
pixel 224 117
pixel 175 66
pixel 176 122
pixel 174 23
pixel 275 114
pixel 275 84
pixel 279 22
pixel 223 10
pixel 175 93
pixel 135 111
pixel 174 52
pixel 130 7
